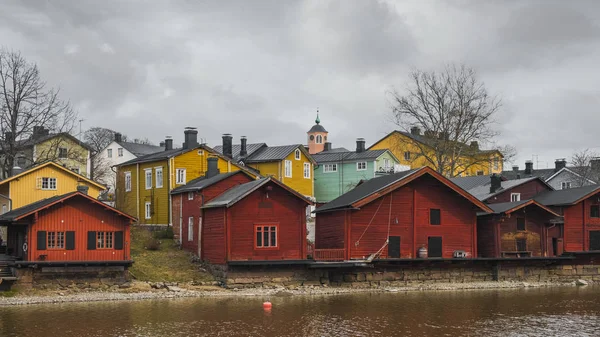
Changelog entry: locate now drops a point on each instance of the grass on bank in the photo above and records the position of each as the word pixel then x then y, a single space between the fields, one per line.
pixel 167 263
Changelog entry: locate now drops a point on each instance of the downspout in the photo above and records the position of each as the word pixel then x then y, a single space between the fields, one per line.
pixel 137 191
pixel 180 219
pixel 170 167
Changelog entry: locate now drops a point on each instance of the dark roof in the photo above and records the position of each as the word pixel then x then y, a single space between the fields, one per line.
pixel 161 155
pixel 505 206
pixel 203 182
pixel 520 174
pixel 140 149
pixel 33 141
pixel 236 193
pixel 317 128
pixel 482 191
pixel 235 149
pixel 272 153
pixel 467 183
pixel 364 190
pixel 337 149
pixel 568 196
pixel 329 156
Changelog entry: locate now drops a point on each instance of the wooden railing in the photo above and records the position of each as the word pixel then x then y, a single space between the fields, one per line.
pixel 329 254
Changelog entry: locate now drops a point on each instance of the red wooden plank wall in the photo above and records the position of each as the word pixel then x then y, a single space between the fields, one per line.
pixel 329 230
pixel 578 224
pixel 214 246
pixel 528 190
pixel 486 237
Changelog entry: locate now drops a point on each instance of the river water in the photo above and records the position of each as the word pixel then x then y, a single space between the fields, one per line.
pixel 525 312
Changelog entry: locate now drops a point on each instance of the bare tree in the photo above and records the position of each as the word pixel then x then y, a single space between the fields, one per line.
pixel 586 163
pixel 456 114
pixel 26 102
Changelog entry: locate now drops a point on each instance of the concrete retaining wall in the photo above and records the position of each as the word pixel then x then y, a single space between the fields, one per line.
pixel 97 277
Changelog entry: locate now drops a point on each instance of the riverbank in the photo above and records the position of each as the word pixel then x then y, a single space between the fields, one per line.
pixel 147 291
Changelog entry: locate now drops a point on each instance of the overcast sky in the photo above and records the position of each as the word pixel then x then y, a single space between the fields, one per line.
pixel 262 68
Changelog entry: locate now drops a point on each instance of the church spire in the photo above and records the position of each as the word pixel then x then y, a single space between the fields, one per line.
pixel 317 120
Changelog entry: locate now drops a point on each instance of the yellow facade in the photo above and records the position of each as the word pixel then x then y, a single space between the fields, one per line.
pixel 297 181
pixel 77 155
pixel 33 185
pixel 195 164
pixel 487 162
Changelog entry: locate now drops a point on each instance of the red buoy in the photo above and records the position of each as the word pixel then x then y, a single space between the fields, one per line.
pixel 267 305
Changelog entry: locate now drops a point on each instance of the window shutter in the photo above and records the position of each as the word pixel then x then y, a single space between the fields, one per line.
pixel 38 183
pixel 119 240
pixel 41 240
pixel 91 240
pixel 70 244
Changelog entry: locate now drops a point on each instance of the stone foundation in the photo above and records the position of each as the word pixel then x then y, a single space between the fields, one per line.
pixel 96 277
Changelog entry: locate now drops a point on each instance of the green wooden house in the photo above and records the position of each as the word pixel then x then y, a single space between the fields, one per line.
pixel 340 170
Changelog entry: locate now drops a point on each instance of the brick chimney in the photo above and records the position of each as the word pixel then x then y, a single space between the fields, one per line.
pixel 327 146
pixel 227 145
pixel 118 137
pixel 360 145
pixel 559 164
pixel 495 183
pixel 213 167
pixel 168 143
pixel 243 146
pixel 528 167
pixel 415 131
pixel 190 137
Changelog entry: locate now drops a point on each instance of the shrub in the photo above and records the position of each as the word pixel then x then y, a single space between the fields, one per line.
pixel 152 244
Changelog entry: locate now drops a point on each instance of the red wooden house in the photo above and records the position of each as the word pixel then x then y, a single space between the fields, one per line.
pixel 394 216
pixel 259 220
pixel 188 200
pixel 496 189
pixel 580 208
pixel 519 229
pixel 71 228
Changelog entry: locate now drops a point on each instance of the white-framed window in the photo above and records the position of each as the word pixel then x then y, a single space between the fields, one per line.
pixel 190 195
pixel 496 163
pixel 75 169
pixel 159 177
pixel 361 166
pixel 148 174
pixel 327 168
pixel 407 155
pixel 307 170
pixel 148 210
pixel 386 163
pixel 319 139
pixel 191 228
pixel 297 154
pixel 120 152
pixel 288 168
pixel 46 183
pixel 565 185
pixel 515 197
pixel 127 181
pixel 180 177
pixel 109 153
pixel 62 153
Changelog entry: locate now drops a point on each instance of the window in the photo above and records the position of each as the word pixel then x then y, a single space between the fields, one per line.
pixel 435 216
pixel 496 164
pixel 148 210
pixel 319 139
pixel 327 168
pixel 361 166
pixel 62 153
pixel 180 177
pixel 159 177
pixel 406 155
pixel 46 183
pixel 266 236
pixel 56 240
pixel 148 178
pixel 127 181
pixel 297 154
pixel 386 164
pixel 595 211
pixel 520 224
pixel 109 153
pixel 191 228
pixel 565 185
pixel 4 208
pixel 190 195
pixel 288 168
pixel 120 152
pixel 104 240
pixel 515 197
pixel 307 170
pixel 521 245
pixel 479 173
pixel 75 169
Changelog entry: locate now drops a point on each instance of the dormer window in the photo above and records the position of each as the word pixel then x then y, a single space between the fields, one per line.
pixel 319 139
pixel 297 154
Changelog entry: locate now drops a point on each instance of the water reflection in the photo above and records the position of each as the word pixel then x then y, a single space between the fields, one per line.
pixel 531 312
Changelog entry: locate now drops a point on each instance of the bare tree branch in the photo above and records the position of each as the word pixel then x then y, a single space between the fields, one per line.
pixel 586 163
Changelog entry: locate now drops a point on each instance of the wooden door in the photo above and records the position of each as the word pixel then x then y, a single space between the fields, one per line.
pixel 594 240
pixel 434 246
pixel 394 247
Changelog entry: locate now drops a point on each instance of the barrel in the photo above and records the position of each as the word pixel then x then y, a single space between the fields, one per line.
pixel 422 253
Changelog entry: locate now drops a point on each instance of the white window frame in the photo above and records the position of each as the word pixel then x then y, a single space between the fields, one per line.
pixel 329 168
pixel 190 229
pixel 48 182
pixel 180 176
pixel 386 163
pixel 407 155
pixel 306 170
pixel 297 154
pixel 565 185
pixel 148 209
pixel 66 153
pixel 319 139
pixel 190 195
pixel 361 166
pixel 148 178
pixel 76 170
pixel 127 181
pixel 159 182
pixel 288 168
pixel 109 153
pixel 514 197
pixel 120 152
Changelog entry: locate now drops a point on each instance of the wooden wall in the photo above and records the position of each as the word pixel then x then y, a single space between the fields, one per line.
pixel 214 245
pixel 528 190
pixel 578 224
pixel 330 230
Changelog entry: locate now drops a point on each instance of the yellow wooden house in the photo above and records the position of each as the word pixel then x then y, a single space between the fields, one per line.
pixel 44 181
pixel 407 147
pixel 144 183
pixel 290 164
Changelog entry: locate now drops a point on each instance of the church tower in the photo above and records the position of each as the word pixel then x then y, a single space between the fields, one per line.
pixel 317 137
